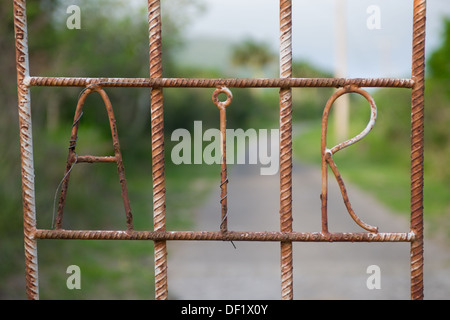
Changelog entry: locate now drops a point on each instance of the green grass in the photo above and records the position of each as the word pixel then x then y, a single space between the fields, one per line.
pixel 382 168
pixel 379 164
pixel 109 269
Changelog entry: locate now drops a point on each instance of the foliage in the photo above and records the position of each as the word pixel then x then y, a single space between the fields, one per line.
pixel 308 102
pixel 439 63
pixel 111 44
pixel 252 54
pixel 380 163
pixel 437 119
pixel 107 45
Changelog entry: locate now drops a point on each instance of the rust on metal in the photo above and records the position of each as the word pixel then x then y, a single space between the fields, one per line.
pixel 229 235
pixel 327 156
pixel 157 130
pixel 286 236
pixel 26 150
pixel 229 83
pixel 93 159
pixel 417 147
pixel 73 158
pixel 222 105
pixel 286 261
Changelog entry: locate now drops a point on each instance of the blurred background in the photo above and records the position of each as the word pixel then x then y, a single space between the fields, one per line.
pixel 202 39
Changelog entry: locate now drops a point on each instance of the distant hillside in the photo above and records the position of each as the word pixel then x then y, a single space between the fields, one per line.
pixel 215 54
pixel 207 53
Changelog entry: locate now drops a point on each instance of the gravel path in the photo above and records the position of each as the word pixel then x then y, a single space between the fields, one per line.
pixel 216 270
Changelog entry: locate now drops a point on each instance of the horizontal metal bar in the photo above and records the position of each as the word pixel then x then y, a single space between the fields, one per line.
pixel 213 83
pixel 92 159
pixel 223 236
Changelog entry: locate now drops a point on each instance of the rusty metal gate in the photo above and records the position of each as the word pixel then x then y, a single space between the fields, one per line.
pixel 286 235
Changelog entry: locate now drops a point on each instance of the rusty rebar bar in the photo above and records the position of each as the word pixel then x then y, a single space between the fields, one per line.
pixel 213 83
pixel 94 159
pixel 157 129
pixel 222 105
pixel 287 275
pixel 417 148
pixel 26 150
pixel 221 236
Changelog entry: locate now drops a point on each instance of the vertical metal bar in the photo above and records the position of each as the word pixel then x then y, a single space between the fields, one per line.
pixel 223 152
pixel 157 128
pixel 223 170
pixel 286 148
pixel 26 150
pixel 324 194
pixel 417 148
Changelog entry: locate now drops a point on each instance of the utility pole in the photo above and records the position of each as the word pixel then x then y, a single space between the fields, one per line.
pixel 342 105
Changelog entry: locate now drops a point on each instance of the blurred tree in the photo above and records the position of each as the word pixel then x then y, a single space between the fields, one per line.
pixel 439 61
pixel 252 54
pixel 309 103
pixel 112 42
pixel 437 112
pixel 176 15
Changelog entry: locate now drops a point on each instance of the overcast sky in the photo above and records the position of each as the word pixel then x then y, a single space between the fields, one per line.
pixel 370 53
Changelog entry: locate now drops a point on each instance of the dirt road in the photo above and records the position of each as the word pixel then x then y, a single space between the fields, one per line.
pixel 217 270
